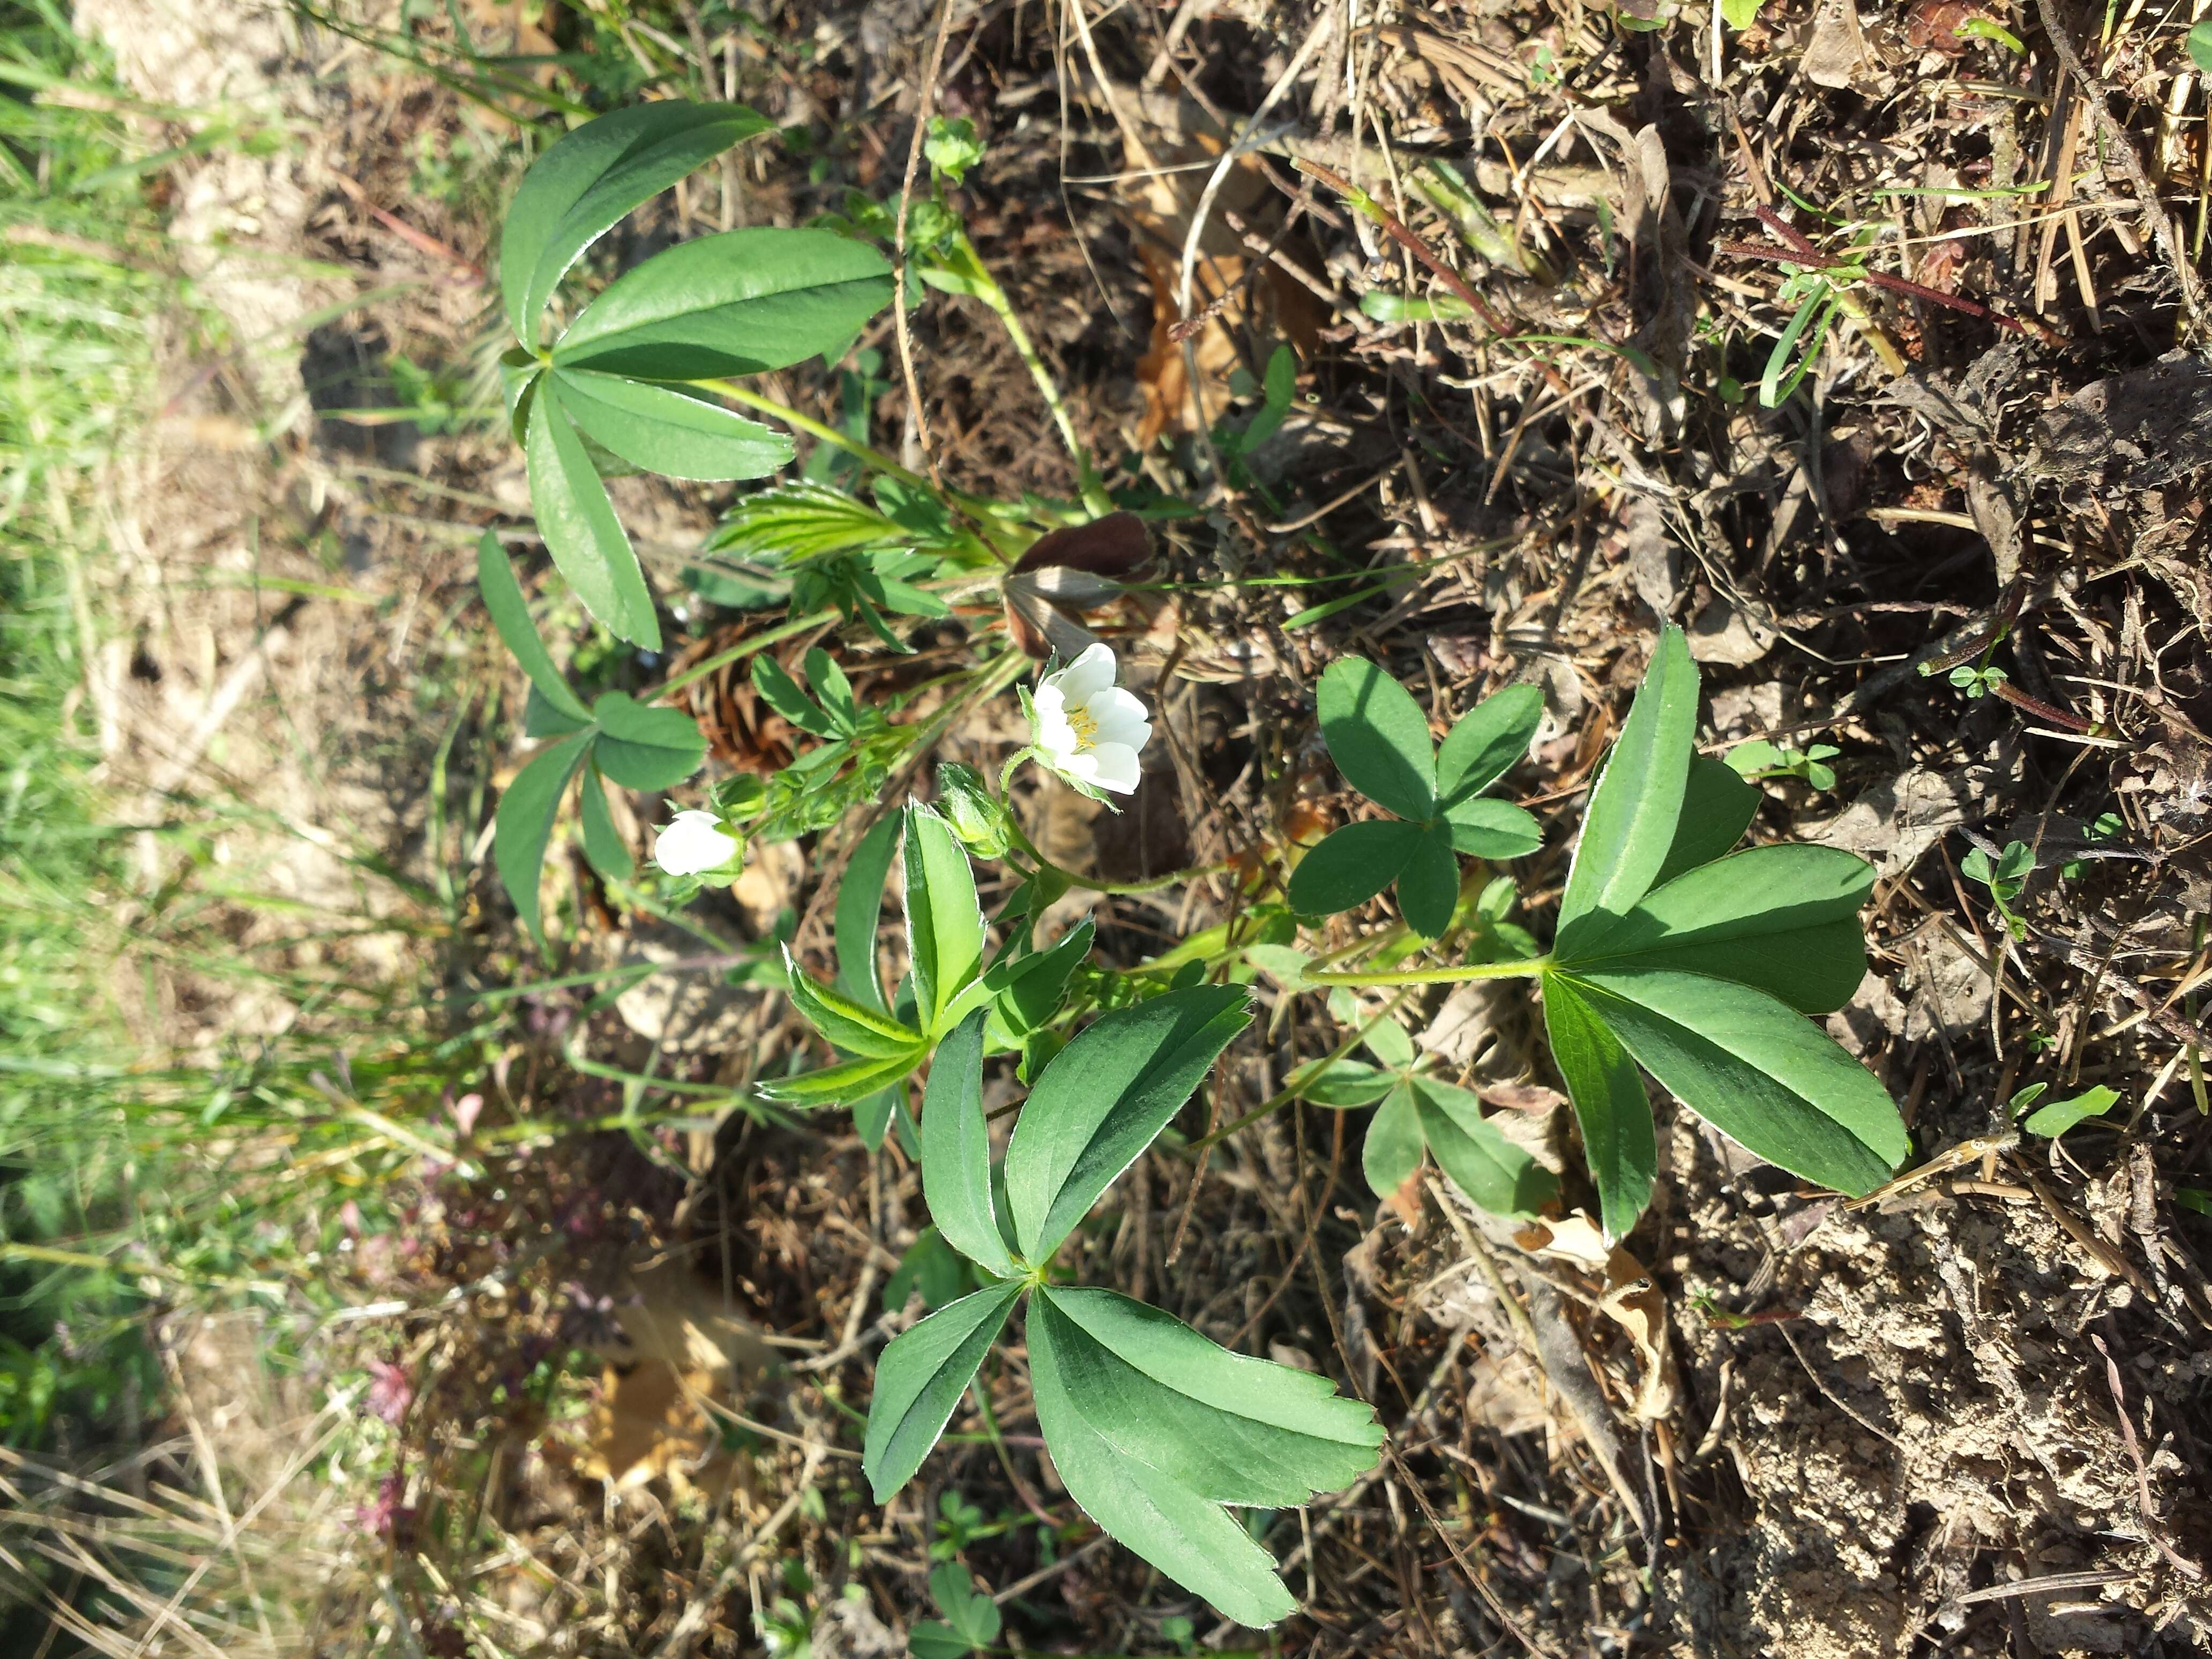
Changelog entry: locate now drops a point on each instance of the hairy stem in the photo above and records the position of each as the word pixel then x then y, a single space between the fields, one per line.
pixel 745 647
pixel 1092 884
pixel 1529 969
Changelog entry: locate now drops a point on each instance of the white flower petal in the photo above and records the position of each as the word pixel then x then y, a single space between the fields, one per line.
pixel 1116 705
pixel 694 843
pixel 1088 675
pixel 1055 735
pixel 1084 767
pixel 1049 700
pixel 1114 766
pixel 1120 728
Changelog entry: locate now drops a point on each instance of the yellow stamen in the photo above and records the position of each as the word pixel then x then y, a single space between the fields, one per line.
pixel 1084 725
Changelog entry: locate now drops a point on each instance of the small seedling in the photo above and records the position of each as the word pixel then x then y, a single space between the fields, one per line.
pixel 2004 876
pixel 2102 828
pixel 1758 760
pixel 2054 1120
pixel 1978 680
pixel 971 1623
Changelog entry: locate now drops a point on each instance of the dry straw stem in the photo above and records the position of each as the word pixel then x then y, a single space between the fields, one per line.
pixel 2123 149
pixel 923 110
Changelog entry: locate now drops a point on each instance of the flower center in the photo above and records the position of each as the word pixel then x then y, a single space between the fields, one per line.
pixel 1084 725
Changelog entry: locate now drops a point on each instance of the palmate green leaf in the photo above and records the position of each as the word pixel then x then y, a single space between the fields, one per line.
pixel 1498 830
pixel 919 1379
pixel 1428 887
pixel 971 1618
pixel 542 718
pixel 524 823
pixel 845 1084
pixel 852 1026
pixel 796 522
pixel 581 532
pixel 1342 1084
pixel 602 844
pixel 1488 1168
pixel 1379 738
pixel 582 187
pixel 646 746
pixel 1103 1099
pixel 956 1151
pixel 740 302
pixel 860 911
pixel 1232 1428
pixel 1153 1428
pixel 1630 824
pixel 1394 1142
pixel 944 918
pixel 1190 1539
pixel 676 432
pixel 782 693
pixel 1755 1069
pixel 1783 919
pixel 1611 1108
pixel 1350 866
pixel 1030 989
pixel 510 619
pixel 835 692
pixel 1486 742
pixel 1718 807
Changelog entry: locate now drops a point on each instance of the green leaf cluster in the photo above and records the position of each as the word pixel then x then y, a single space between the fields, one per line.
pixel 868 561
pixel 880 1041
pixel 1379 739
pixel 1420 1112
pixel 2005 876
pixel 970 1622
pixel 614 388
pixel 1153 1428
pixel 1699 965
pixel 1759 759
pixel 615 740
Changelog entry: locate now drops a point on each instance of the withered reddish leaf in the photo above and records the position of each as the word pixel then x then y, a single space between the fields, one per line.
pixel 1112 546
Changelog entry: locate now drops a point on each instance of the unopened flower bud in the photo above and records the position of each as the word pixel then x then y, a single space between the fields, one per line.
pixel 976 817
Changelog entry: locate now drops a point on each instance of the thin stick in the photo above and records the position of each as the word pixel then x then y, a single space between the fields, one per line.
pixel 922 112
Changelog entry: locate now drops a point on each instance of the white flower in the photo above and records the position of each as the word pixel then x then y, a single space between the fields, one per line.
pixel 1088 729
pixel 695 845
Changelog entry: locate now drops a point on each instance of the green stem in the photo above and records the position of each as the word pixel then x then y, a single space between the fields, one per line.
pixel 987 288
pixel 973 506
pixel 814 428
pixel 1286 1095
pixel 1092 884
pixel 1529 969
pixel 699 670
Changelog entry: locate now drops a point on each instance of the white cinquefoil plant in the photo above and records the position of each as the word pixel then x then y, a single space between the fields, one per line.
pixel 1674 954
